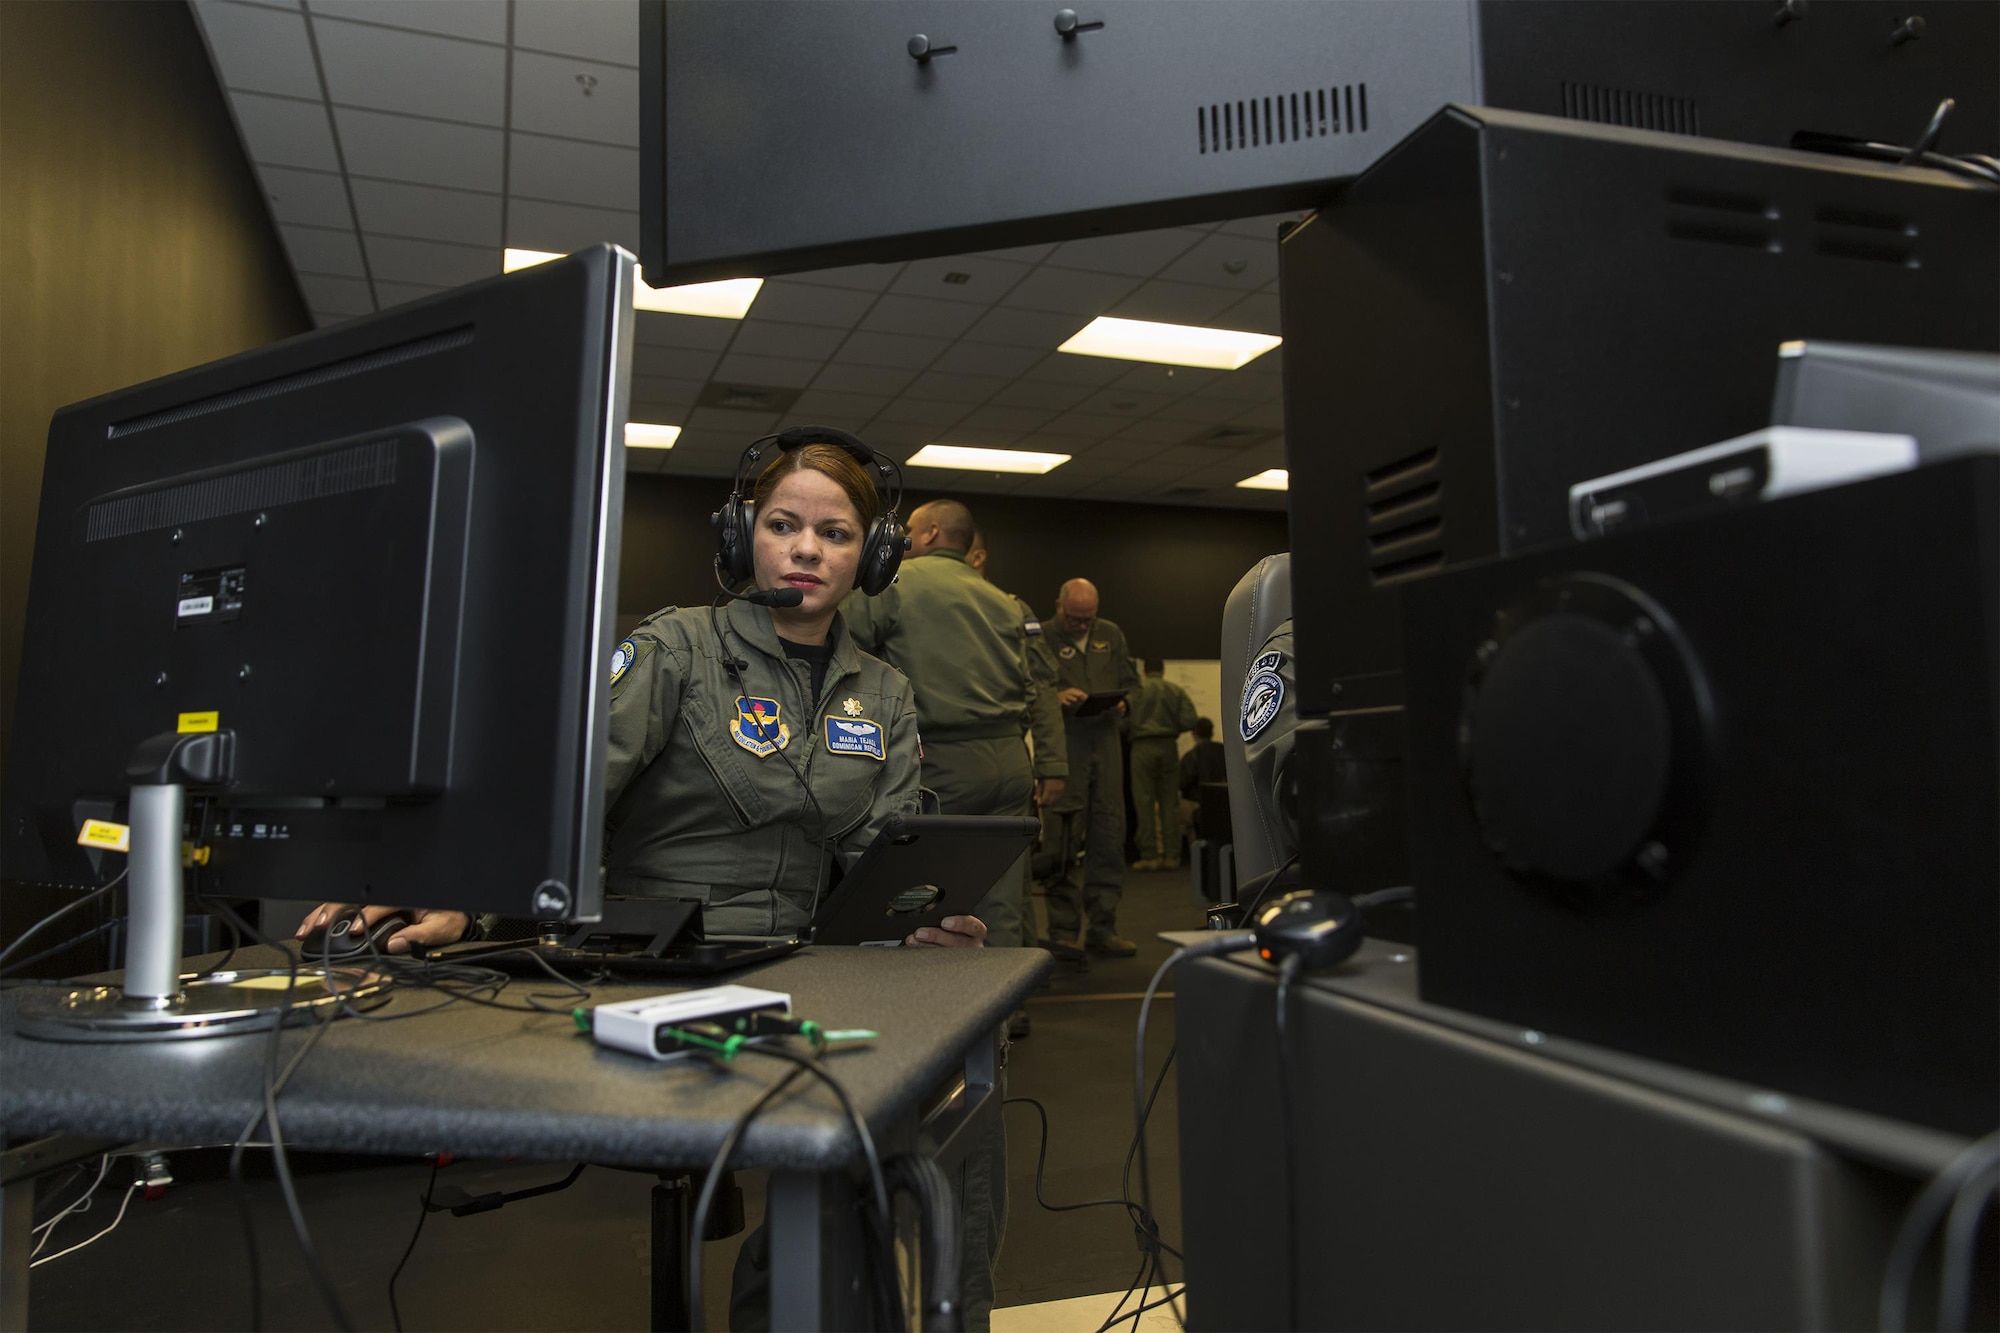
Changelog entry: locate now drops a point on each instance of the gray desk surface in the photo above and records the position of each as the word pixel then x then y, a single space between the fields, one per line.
pixel 1385 975
pixel 481 1081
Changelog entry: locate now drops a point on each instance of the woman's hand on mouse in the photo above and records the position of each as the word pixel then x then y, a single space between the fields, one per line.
pixel 954 932
pixel 429 927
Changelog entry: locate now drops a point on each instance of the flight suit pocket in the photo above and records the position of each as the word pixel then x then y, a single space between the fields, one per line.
pixel 845 768
pixel 732 767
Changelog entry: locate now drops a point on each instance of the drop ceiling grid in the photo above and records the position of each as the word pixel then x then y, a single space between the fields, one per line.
pixel 386 192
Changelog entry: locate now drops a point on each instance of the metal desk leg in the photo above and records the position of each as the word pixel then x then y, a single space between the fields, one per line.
pixel 818 1264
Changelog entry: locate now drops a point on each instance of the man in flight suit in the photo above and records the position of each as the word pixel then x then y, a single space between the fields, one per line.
pixel 964 645
pixel 1087 655
pixel 1161 711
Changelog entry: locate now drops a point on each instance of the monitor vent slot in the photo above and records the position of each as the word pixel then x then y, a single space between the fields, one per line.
pixel 1403 517
pixel 1719 218
pixel 1282 118
pixel 357 467
pixel 305 379
pixel 1853 233
pixel 1634 110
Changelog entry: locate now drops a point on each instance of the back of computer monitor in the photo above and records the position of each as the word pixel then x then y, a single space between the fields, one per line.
pixel 381 560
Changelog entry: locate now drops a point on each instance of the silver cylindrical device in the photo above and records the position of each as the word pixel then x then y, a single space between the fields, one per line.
pixel 153 893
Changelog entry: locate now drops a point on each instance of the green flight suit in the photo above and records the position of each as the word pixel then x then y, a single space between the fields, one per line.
pixel 1160 712
pixel 702 802
pixel 1091 814
pixel 964 646
pixel 1267 720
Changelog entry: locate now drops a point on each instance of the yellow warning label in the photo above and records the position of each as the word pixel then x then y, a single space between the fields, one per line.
pixel 199 722
pixel 105 836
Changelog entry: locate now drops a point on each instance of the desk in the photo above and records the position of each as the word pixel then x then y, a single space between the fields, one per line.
pixel 484 1082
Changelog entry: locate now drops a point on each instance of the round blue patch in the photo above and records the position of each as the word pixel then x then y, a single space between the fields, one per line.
pixel 1263 695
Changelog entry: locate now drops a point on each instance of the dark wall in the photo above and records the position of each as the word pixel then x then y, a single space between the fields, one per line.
pixel 1162 571
pixel 135 240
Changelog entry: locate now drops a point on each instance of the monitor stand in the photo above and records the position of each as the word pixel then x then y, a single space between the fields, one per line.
pixel 157 1002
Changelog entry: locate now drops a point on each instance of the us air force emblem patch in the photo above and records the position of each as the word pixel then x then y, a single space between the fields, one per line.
pixel 855 736
pixel 1263 695
pixel 1067 651
pixel 622 658
pixel 758 727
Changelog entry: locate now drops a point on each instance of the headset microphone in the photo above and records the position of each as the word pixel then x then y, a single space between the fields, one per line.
pixel 771 596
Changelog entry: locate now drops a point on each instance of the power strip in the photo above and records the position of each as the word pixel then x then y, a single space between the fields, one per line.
pixel 643 1027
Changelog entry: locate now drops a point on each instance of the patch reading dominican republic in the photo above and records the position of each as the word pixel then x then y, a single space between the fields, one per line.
pixel 855 736
pixel 758 727
pixel 1263 693
pixel 622 658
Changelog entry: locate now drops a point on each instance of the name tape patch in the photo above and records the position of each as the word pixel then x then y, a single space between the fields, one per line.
pixel 855 736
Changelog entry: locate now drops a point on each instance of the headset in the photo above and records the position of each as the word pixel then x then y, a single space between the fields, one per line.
pixel 882 549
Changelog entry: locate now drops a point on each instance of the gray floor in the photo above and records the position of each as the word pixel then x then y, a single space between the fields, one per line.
pixel 579 1259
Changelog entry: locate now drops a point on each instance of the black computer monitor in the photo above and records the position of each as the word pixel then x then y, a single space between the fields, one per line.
pixel 352 593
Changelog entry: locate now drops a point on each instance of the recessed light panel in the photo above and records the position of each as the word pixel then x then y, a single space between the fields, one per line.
pixel 1169 344
pixel 646 435
pixel 1271 479
pixel 968 459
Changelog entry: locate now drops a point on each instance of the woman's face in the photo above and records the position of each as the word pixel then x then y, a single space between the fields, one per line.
pixel 808 536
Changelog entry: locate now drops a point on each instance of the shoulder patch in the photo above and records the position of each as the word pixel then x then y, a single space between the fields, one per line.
pixel 1033 627
pixel 621 660
pixel 1271 661
pixel 855 736
pixel 1263 695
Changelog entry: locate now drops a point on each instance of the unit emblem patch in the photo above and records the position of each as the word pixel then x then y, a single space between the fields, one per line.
pixel 758 727
pixel 1263 694
pixel 855 736
pixel 622 658
pixel 1067 651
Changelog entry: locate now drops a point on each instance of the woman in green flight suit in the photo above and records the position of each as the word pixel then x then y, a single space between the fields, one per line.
pixel 751 744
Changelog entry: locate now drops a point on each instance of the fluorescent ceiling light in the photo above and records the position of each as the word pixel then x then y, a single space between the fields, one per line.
pixel 984 460
pixel 729 299
pixel 1169 344
pixel 1270 479
pixel 645 435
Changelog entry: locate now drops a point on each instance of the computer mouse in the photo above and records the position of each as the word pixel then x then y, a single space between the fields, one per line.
pixel 1322 928
pixel 349 937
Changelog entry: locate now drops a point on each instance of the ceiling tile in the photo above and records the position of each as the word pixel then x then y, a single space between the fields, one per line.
pixel 429 262
pixel 259 50
pixel 1085 425
pixel 740 427
pixel 915 412
pixel 535 224
pixel 1026 328
pixel 799 303
pixel 428 214
pixel 857 277
pixel 284 133
pixel 1265 416
pixel 785 372
pixel 942 387
pixel 1069 368
pixel 395 293
pixel 577 99
pixel 683 363
pixel 423 152
pixel 1236 387
pixel 1198 411
pixel 818 402
pixel 336 296
pixel 897 435
pixel 984 282
pixel 1018 419
pixel 1053 397
pixel 1128 403
pixel 969 358
pixel 316 198
pixel 1071 291
pixel 795 418
pixel 599 175
pixel 661 391
pixel 1156 431
pixel 889 349
pixel 448 18
pixel 1210 262
pixel 1262 228
pixel 1255 313
pixel 606 30
pixel 319 250
pixel 1021 254
pixel 916 314
pixel 763 337
pixel 862 379
pixel 389 70
pixel 1171 380
pixel 1138 254
pixel 981 437
pixel 1174 303
pixel 657 329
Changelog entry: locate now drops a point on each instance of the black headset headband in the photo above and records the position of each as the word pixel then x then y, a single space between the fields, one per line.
pixel 881 467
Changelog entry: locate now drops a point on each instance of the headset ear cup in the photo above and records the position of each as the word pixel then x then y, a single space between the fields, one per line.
pixel 732 539
pixel 888 539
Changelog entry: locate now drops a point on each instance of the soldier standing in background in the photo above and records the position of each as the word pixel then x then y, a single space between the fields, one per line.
pixel 964 645
pixel 1087 655
pixel 1161 711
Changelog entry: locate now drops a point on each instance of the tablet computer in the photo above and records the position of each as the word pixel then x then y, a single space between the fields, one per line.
pixel 919 870
pixel 1098 703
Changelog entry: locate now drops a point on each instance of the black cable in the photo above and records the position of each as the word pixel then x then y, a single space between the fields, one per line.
pixel 1920 1219
pixel 55 949
pixel 423 1211
pixel 1932 133
pixel 699 1228
pixel 1288 971
pixel 1041 1162
pixel 920 1176
pixel 1145 1261
pixel 1263 883
pixel 93 896
pixel 1961 1232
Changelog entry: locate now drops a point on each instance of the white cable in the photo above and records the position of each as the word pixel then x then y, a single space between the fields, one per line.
pixel 48 1228
pixel 130 1190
